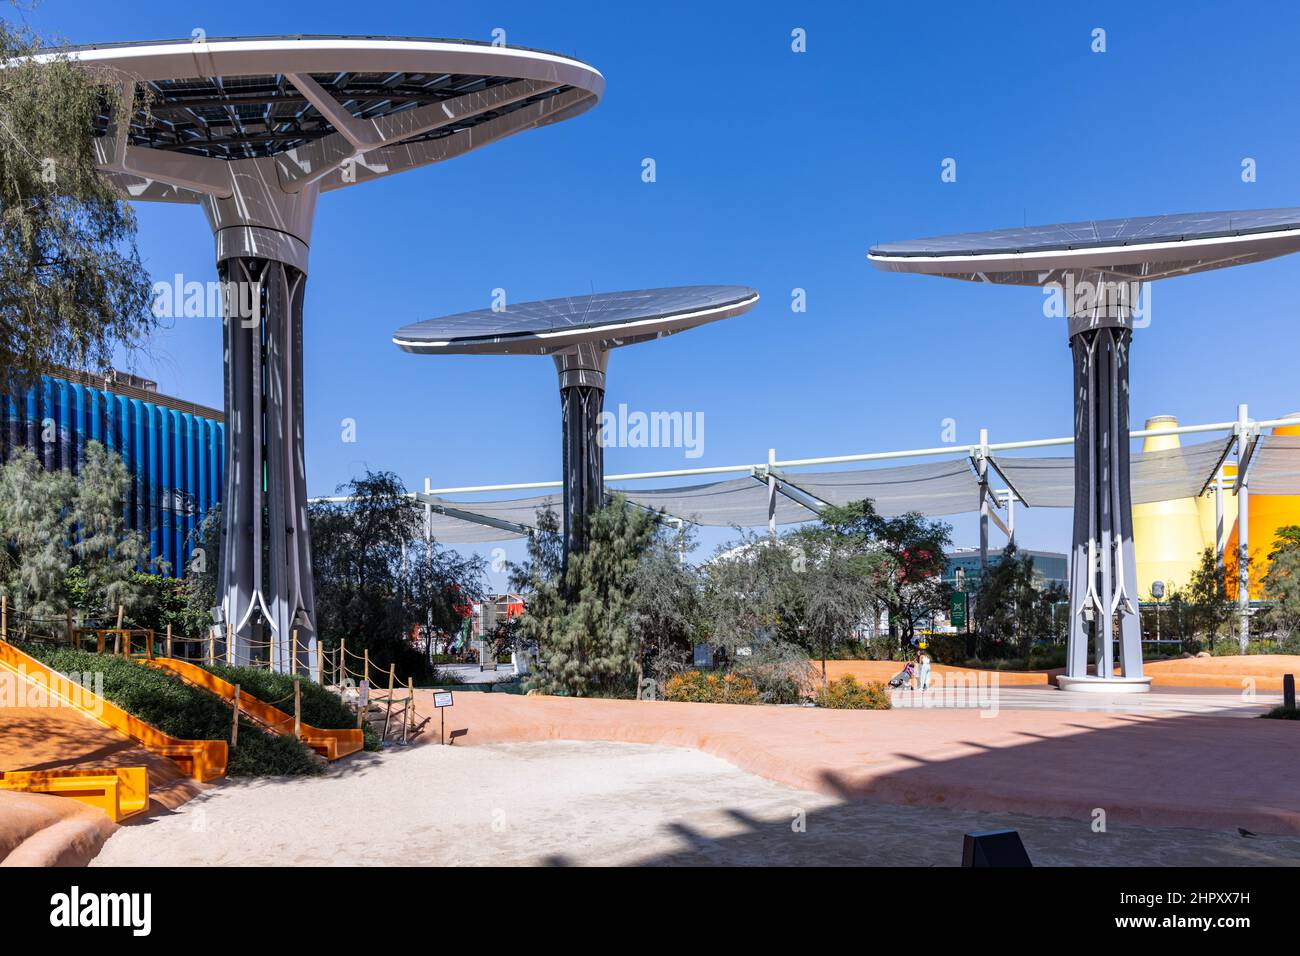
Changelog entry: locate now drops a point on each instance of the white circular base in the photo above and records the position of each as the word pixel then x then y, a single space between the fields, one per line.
pixel 1104 685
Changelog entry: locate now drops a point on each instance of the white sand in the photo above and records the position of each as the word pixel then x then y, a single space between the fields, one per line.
pixel 596 803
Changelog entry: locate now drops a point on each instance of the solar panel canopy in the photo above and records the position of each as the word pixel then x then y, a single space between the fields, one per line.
pixel 608 319
pixel 1140 247
pixel 314 102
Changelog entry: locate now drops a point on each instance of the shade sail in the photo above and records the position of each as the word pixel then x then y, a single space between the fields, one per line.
pixel 1153 475
pixel 1275 469
pixel 449 530
pixel 932 488
pixel 738 502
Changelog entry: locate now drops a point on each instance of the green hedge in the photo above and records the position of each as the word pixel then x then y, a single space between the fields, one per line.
pixel 181 710
pixel 320 708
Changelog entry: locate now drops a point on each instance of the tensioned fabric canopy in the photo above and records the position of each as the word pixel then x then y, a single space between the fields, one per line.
pixel 932 488
pixel 935 488
pixel 1275 469
pixel 737 502
pixel 1153 475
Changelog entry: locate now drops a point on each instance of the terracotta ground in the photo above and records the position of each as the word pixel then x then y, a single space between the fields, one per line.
pixel 1191 771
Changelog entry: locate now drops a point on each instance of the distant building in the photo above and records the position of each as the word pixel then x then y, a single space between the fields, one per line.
pixel 173 449
pixel 1050 567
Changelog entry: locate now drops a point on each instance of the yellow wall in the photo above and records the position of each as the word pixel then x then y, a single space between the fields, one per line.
pixel 1168 536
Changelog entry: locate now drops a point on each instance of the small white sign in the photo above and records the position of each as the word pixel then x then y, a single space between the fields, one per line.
pixel 442 698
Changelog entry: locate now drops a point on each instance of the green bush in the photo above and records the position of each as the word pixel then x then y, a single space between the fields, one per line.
pixel 947 648
pixel 710 688
pixel 845 693
pixel 320 707
pixel 181 710
pixel 1283 713
pixel 779 670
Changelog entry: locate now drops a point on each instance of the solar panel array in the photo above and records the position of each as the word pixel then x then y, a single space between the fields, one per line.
pixel 1094 233
pixel 247 117
pixel 575 312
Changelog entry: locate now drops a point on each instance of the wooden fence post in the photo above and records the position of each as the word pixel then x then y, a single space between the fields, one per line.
pixel 230 643
pixel 340 668
pixel 4 617
pixel 410 690
pixel 212 648
pixel 365 665
pixel 120 649
pixel 388 716
pixel 169 640
pixel 320 663
pixel 294 659
pixel 297 708
pixel 234 723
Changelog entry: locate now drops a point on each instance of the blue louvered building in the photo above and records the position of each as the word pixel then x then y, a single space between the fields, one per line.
pixel 173 449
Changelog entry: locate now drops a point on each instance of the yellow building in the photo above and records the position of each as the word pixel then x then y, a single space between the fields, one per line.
pixel 1168 536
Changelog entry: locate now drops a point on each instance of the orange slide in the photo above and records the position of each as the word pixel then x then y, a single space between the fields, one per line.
pixel 119 791
pixel 331 744
pixel 201 759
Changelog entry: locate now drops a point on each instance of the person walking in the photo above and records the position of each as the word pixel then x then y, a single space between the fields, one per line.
pixel 923 667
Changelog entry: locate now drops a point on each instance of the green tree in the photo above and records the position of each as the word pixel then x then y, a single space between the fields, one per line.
pixel 71 283
pixel 1012 609
pixel 664 610
pixel 908 555
pixel 1282 583
pixel 1208 610
pixel 65 544
pixel 375 577
pixel 34 506
pixel 581 622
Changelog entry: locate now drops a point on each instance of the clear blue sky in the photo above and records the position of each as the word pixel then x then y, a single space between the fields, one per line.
pixel 776 170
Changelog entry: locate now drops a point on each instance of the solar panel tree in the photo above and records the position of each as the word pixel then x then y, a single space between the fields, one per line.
pixel 1098 270
pixel 253 130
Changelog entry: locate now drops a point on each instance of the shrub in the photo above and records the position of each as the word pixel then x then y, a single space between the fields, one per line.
pixel 176 708
pixel 947 648
pixel 320 707
pixel 779 670
pixel 845 693
pixel 1283 713
pixel 702 688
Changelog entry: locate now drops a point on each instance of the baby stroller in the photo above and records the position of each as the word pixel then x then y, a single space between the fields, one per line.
pixel 904 677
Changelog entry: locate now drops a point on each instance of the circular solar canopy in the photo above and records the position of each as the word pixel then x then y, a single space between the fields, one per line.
pixel 314 101
pixel 606 319
pixel 1142 248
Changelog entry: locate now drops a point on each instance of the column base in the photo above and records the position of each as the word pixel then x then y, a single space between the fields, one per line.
pixel 1104 685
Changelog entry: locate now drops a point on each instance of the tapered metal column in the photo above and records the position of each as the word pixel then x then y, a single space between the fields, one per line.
pixel 1103 573
pixel 266 584
pixel 582 398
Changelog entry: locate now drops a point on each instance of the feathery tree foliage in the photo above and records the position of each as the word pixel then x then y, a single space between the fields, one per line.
pixel 63 540
pixel 1282 584
pixel 582 620
pixel 72 286
pixel 377 579
pixel 1011 608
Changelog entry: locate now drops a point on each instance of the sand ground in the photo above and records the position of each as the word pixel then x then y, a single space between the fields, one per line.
pixel 604 803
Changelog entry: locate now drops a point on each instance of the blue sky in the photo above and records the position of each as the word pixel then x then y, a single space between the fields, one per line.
pixel 777 170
